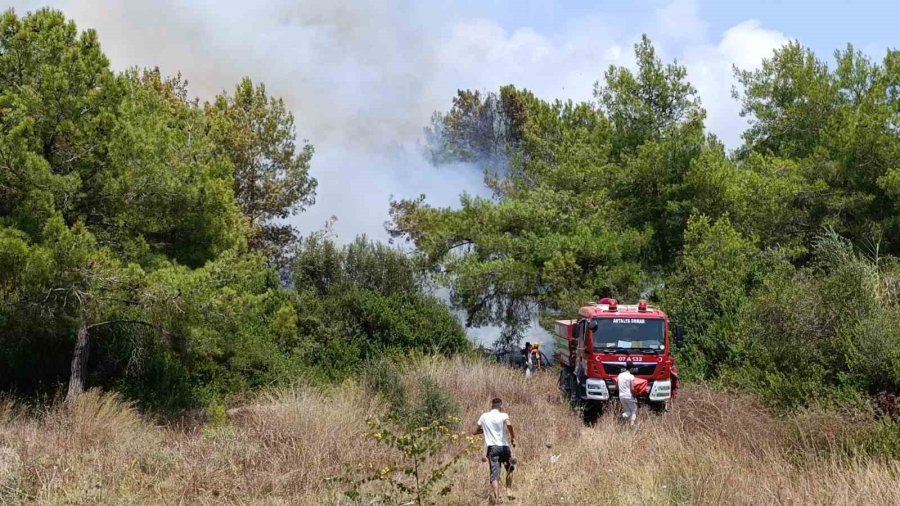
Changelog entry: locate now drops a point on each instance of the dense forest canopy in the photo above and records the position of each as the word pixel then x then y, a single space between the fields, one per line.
pixel 143 245
pixel 140 235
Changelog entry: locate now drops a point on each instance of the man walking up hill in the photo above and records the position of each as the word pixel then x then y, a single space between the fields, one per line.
pixel 498 436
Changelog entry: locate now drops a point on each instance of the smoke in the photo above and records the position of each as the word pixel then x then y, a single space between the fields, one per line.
pixel 362 79
pixel 360 183
pixel 364 76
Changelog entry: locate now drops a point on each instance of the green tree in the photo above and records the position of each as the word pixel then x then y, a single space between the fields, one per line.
pixel 114 195
pixel 657 133
pixel 135 229
pixel 479 128
pixel 789 100
pixel 590 203
pixel 712 279
pixel 57 100
pixel 550 242
pixel 761 196
pixel 838 124
pixel 166 194
pixel 650 103
pixel 255 132
pixel 66 280
pixel 369 301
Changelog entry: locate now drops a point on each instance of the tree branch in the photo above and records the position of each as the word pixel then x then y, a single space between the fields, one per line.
pixel 131 322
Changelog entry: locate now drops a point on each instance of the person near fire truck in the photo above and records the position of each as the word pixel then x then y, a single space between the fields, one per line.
pixel 526 359
pixel 537 360
pixel 624 382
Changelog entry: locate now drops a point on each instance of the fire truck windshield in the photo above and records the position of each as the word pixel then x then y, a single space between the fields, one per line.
pixel 629 333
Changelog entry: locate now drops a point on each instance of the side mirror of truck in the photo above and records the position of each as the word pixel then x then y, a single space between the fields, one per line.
pixel 593 326
pixel 679 336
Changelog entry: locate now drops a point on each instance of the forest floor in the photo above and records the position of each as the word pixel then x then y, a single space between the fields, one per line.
pixel 712 448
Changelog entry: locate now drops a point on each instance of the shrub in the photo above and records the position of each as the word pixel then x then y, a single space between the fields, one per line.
pixel 881 439
pixel 705 292
pixel 383 377
pixel 365 300
pixel 433 404
pixel 424 456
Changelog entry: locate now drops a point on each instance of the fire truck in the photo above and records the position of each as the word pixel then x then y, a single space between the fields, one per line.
pixel 594 348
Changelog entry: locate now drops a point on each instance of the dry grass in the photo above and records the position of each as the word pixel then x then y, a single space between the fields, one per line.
pixel 711 449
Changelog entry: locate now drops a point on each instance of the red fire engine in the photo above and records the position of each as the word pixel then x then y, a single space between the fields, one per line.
pixel 593 349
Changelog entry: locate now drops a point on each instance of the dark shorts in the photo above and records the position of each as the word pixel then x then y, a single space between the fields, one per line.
pixel 497 455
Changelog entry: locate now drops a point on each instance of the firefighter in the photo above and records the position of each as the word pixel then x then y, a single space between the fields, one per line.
pixel 526 359
pixel 498 436
pixel 536 360
pixel 624 381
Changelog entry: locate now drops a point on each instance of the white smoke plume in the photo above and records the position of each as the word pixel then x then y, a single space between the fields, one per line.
pixel 364 76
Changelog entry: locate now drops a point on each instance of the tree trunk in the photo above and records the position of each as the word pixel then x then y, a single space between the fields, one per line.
pixel 79 362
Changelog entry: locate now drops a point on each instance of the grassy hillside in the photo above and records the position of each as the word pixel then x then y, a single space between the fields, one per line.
pixel 280 450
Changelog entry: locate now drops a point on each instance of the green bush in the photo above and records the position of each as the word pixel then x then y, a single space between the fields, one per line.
pixel 433 404
pixel 426 402
pixel 365 300
pixel 383 377
pixel 146 372
pixel 882 439
pixel 825 333
pixel 831 326
pixel 422 457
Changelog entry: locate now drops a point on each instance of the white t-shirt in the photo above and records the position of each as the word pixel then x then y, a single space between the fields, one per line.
pixel 493 423
pixel 624 381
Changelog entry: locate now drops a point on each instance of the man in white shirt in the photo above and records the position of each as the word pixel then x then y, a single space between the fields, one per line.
pixel 498 436
pixel 629 404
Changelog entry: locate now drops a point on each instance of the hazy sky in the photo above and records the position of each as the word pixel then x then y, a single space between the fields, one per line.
pixel 363 76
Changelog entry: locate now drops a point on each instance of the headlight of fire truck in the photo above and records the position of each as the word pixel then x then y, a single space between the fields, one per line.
pixel 661 390
pixel 596 389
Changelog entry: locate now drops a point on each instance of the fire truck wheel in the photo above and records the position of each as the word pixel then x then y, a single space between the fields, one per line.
pixel 591 413
pixel 660 407
pixel 566 385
